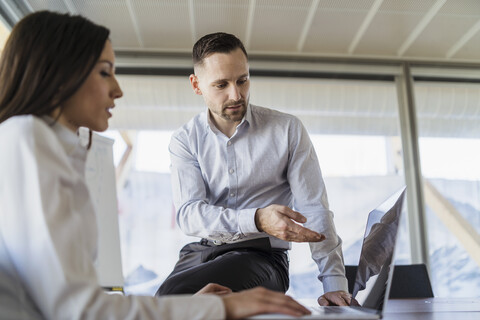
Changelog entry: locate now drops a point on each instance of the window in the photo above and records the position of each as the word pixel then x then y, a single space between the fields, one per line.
pixel 354 126
pixel 449 130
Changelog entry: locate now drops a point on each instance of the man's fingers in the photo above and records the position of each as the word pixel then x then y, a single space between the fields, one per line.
pixel 298 233
pixel 294 215
pixel 338 298
pixel 280 221
pixel 322 301
pixel 341 300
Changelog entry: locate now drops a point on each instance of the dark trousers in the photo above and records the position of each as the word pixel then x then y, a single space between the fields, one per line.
pixel 238 266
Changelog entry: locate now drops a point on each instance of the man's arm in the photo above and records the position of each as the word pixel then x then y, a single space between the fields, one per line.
pixel 195 215
pixel 310 198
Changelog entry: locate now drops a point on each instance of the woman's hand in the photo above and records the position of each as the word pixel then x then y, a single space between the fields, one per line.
pixel 213 288
pixel 260 300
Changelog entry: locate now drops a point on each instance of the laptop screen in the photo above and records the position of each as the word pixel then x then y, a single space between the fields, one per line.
pixel 375 268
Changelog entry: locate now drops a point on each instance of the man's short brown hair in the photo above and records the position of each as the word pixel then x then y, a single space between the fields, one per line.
pixel 219 42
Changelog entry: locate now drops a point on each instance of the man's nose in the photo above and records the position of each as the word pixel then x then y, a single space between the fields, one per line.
pixel 234 93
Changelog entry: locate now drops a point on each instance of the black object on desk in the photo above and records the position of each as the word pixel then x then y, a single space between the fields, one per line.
pixel 409 281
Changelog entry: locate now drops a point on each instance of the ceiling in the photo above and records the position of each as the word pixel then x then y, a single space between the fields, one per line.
pixel 438 30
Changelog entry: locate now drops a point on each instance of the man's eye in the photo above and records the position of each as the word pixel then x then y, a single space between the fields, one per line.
pixel 221 86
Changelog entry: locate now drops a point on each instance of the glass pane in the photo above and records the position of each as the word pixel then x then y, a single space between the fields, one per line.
pixel 355 130
pixel 359 176
pixel 150 238
pixel 449 142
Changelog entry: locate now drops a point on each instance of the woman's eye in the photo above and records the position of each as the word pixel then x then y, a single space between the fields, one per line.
pixel 105 74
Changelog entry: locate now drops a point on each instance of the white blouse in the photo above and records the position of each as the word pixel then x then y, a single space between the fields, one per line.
pixel 48 235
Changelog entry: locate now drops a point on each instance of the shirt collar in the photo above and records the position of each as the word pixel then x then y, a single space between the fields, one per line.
pixel 69 140
pixel 247 118
pixel 248 115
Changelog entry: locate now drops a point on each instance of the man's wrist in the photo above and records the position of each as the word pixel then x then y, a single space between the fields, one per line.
pixel 257 220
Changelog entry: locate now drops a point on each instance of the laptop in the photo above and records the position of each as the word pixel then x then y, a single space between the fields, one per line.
pixel 375 268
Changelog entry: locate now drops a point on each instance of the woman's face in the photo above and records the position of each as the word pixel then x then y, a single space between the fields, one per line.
pixel 91 104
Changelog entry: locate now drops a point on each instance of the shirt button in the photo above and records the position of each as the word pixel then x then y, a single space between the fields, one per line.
pixel 231 170
pixel 232 194
pixel 229 143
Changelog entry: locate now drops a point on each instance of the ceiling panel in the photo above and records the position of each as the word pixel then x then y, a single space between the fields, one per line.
pixel 386 34
pixel 54 5
pixel 471 50
pixel 278 24
pixel 461 8
pixel 407 6
pixel 345 5
pixel 169 31
pixel 440 35
pixel 452 21
pixel 115 15
pixel 391 27
pixel 326 38
pixel 220 15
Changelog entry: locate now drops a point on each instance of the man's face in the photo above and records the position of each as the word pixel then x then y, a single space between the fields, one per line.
pixel 224 82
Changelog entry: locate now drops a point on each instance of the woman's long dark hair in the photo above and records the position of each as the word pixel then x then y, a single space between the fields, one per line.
pixel 46 59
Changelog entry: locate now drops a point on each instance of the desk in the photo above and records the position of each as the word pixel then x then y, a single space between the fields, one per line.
pixel 433 309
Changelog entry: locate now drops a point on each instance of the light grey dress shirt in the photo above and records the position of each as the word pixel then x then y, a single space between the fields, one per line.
pixel 220 182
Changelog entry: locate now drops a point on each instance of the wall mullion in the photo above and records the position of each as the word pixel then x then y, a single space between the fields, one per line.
pixel 413 175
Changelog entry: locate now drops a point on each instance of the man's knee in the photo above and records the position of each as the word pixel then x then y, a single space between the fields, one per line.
pixel 178 285
pixel 237 270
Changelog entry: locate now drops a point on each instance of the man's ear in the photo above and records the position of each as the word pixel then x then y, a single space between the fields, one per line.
pixel 194 82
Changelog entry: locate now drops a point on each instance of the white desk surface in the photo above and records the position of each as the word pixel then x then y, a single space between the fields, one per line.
pixel 433 309
pixel 428 309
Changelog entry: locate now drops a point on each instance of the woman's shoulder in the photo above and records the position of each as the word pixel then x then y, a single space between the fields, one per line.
pixel 24 124
pixel 27 130
pixel 32 140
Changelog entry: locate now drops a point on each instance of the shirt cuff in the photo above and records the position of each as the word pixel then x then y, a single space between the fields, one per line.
pixel 334 283
pixel 246 221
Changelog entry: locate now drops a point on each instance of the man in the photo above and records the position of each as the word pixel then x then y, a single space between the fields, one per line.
pixel 237 171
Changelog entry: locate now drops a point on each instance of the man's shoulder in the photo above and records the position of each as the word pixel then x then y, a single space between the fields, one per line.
pixel 268 114
pixel 196 123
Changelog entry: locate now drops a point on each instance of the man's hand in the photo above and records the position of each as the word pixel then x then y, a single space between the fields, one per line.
pixel 213 288
pixel 260 300
pixel 279 221
pixel 335 298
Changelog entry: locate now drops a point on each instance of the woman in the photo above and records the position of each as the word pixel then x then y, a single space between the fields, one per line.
pixel 56 75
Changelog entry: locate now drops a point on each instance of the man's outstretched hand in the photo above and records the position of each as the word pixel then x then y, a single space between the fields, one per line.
pixel 281 222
